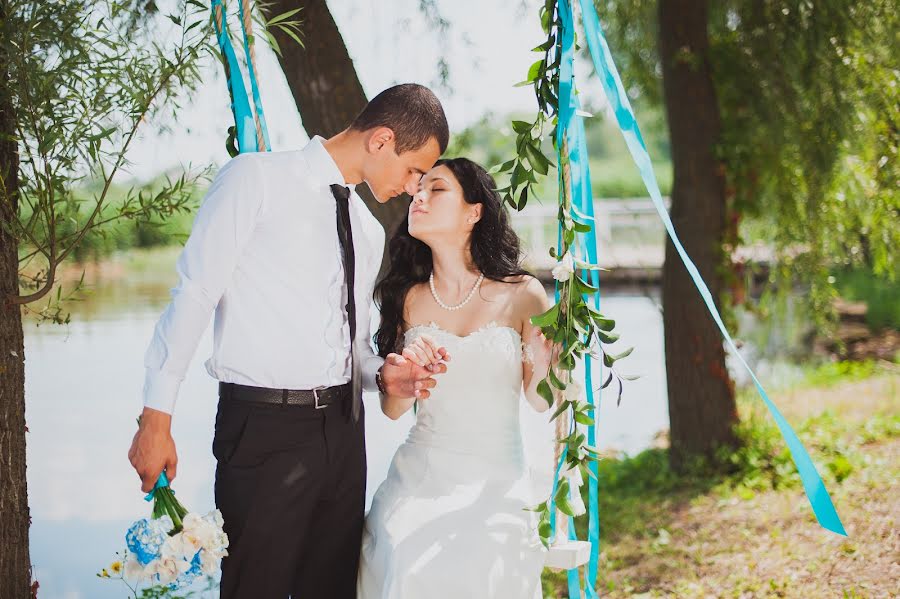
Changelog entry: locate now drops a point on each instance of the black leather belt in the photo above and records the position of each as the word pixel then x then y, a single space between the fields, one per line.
pixel 314 398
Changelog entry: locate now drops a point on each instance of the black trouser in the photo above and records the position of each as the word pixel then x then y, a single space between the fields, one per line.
pixel 290 484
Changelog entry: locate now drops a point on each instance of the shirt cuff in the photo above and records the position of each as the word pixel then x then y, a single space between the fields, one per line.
pixel 369 368
pixel 160 391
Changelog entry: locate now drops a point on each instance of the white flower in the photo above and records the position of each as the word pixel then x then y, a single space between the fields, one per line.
pixel 168 569
pixel 192 521
pixel 574 391
pixel 209 563
pixel 564 268
pixel 181 546
pixel 134 570
pixel 200 533
pixel 575 482
pixel 215 517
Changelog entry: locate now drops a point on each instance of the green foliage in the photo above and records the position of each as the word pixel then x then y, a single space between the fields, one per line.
pixel 809 96
pixel 613 173
pixel 881 295
pixel 84 77
pixel 832 373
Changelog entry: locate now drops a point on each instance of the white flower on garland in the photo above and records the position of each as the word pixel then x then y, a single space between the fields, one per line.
pixel 575 483
pixel 564 268
pixel 574 391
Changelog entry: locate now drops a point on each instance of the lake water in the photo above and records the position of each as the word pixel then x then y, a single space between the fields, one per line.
pixel 83 392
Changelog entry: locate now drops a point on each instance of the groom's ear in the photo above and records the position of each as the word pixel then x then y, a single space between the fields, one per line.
pixel 380 137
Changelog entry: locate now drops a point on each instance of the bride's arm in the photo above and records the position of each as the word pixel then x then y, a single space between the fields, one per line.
pixel 422 359
pixel 538 351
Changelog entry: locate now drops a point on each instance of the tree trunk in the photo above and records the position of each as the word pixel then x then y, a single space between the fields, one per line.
pixel 15 561
pixel 325 86
pixel 702 409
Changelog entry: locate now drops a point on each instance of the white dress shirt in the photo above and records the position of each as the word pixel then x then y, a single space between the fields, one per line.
pixel 264 255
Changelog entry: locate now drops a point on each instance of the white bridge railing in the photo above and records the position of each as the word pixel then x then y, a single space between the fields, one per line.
pixel 631 227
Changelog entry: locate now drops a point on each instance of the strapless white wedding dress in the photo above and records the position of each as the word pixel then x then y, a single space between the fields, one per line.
pixel 449 520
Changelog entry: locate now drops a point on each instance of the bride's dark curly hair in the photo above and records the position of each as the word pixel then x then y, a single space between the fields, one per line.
pixel 494 247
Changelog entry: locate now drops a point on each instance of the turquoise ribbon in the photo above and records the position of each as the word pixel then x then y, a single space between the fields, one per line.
pixel 819 499
pixel 240 105
pixel 585 202
pixel 570 128
pixel 162 481
pixel 254 87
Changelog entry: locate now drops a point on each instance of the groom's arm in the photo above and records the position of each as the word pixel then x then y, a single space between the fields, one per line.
pixel 221 229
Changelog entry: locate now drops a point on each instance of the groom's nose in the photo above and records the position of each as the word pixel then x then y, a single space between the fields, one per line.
pixel 412 184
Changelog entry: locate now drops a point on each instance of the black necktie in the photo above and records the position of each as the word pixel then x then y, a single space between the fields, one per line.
pixel 345 236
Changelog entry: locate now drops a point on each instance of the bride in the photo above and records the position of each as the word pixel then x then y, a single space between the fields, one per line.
pixel 450 520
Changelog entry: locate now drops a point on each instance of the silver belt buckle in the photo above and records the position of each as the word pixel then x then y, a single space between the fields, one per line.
pixel 316 396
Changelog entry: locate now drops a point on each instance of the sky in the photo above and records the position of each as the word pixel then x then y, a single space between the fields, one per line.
pixel 487 46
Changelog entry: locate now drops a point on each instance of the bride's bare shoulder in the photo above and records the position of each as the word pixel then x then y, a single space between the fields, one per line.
pixel 528 296
pixel 414 297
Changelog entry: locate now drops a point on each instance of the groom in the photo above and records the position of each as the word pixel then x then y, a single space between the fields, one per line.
pixel 286 254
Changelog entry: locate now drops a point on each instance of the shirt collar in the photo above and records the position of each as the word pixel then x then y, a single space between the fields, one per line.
pixel 322 165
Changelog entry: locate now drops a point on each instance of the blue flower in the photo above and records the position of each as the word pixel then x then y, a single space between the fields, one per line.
pixel 190 576
pixel 146 536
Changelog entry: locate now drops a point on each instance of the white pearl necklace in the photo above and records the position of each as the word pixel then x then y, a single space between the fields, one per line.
pixel 457 306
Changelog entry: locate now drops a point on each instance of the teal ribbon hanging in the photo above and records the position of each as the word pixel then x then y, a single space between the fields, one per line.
pixel 240 103
pixel 570 128
pixel 818 496
pixel 254 86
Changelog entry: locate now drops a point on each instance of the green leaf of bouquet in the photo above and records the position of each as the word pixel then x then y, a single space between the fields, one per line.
pixel 537 159
pixel 562 408
pixel 565 507
pixel 583 286
pixel 547 318
pixel 581 227
pixel 581 265
pixel 603 323
pixel 521 127
pixel 606 337
pixel 562 489
pixel 519 175
pixel 607 381
pixel 624 354
pixel 543 389
pixel 503 167
pixel 523 199
pixel 582 418
pixel 554 380
pixel 534 71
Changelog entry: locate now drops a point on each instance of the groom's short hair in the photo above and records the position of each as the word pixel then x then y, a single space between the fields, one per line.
pixel 411 111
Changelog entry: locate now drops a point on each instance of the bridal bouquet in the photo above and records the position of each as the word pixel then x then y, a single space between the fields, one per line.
pixel 173 547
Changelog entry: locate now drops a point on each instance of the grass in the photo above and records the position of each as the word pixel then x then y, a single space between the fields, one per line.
pixel 740 526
